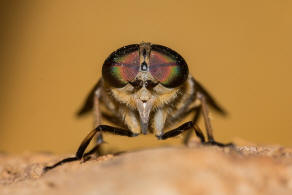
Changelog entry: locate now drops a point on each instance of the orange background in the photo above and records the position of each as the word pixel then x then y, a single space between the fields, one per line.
pixel 52 52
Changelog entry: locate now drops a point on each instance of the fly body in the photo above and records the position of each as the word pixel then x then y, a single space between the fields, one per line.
pixel 147 88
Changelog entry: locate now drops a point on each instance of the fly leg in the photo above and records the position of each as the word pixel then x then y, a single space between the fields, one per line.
pixel 184 127
pixel 97 131
pixel 195 120
pixel 208 126
pixel 79 153
pixel 97 118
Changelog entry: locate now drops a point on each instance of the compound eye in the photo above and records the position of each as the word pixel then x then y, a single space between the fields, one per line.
pixel 167 66
pixel 122 66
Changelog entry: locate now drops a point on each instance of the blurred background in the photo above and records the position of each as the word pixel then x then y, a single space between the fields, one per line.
pixel 51 53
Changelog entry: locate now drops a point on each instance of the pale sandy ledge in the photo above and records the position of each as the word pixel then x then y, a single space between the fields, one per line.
pixel 168 170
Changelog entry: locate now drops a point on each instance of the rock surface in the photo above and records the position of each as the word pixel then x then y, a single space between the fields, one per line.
pixel 171 170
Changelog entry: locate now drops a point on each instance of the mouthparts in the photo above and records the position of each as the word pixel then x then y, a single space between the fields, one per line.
pixel 144 109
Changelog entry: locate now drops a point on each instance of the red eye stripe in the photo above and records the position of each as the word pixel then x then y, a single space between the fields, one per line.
pixel 159 59
pixel 131 59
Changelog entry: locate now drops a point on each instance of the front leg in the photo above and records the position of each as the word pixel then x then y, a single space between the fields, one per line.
pixel 97 131
pixel 184 127
pixel 187 126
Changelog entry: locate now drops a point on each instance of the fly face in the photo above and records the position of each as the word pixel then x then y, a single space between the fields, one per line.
pixel 144 77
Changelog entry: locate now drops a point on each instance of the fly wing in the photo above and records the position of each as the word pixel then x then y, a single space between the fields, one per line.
pixel 210 100
pixel 88 103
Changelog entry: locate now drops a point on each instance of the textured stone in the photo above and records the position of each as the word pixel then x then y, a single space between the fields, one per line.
pixel 172 170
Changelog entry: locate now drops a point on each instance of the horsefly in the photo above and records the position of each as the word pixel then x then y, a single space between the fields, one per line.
pixel 146 88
